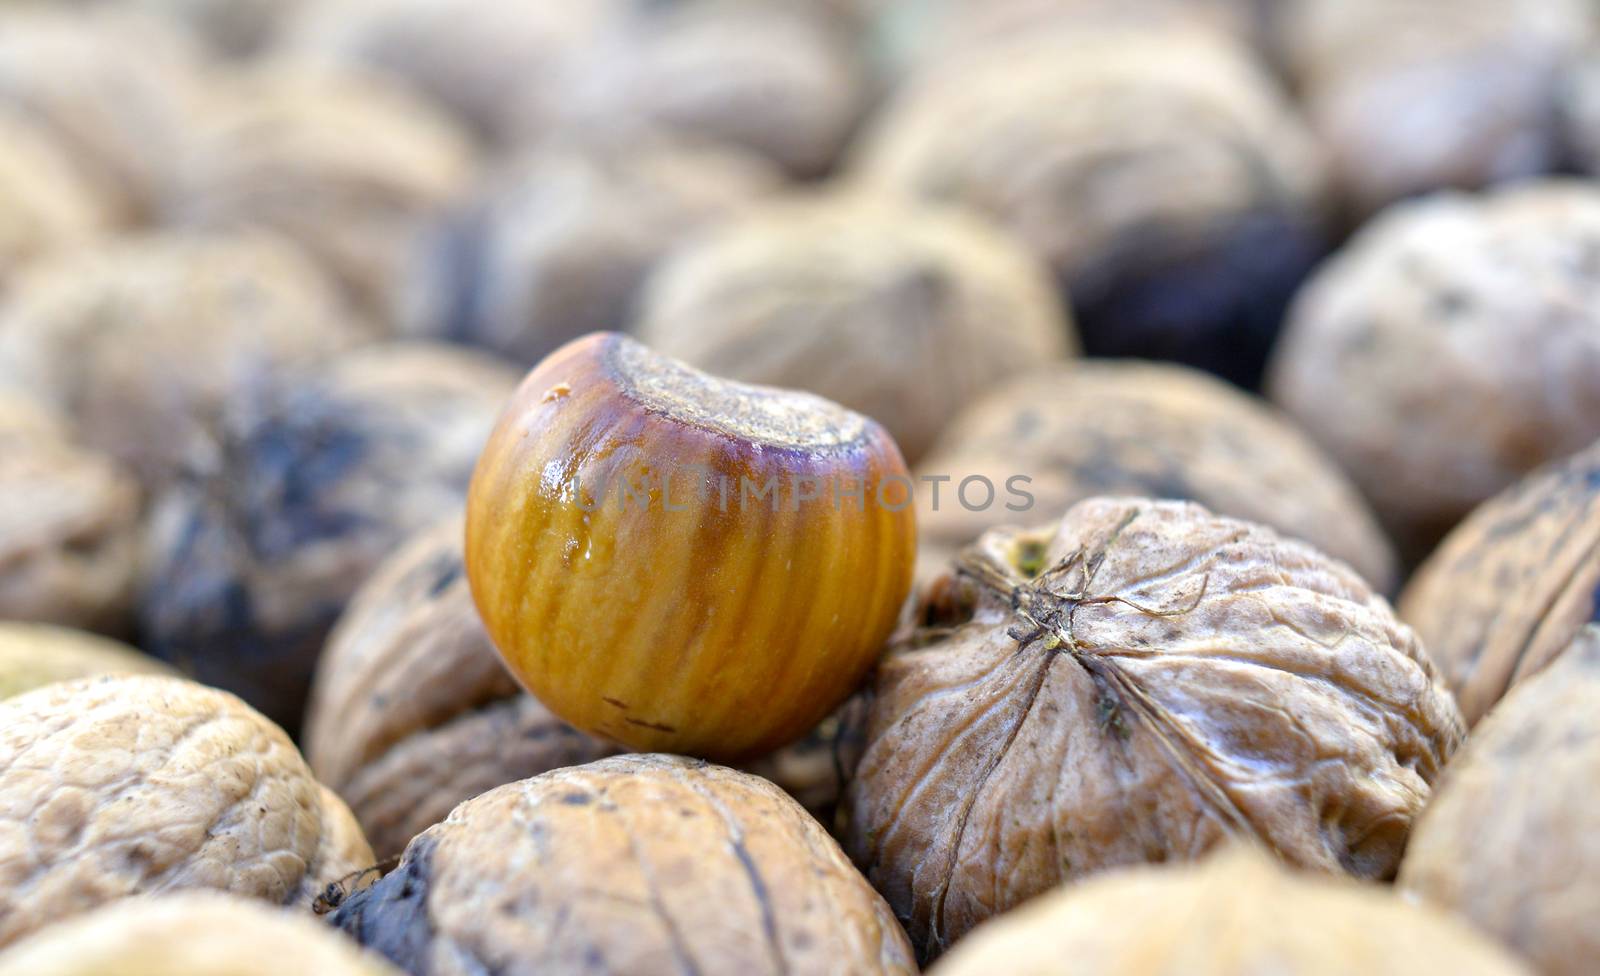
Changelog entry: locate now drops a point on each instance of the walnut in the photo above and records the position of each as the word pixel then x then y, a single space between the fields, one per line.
pixel 1512 837
pixel 902 312
pixel 1505 593
pixel 1186 249
pixel 45 206
pixel 250 563
pixel 1219 681
pixel 33 655
pixel 1235 913
pixel 1129 428
pixel 69 525
pixel 1453 346
pixel 122 785
pixel 636 864
pixel 559 242
pixel 188 934
pixel 143 339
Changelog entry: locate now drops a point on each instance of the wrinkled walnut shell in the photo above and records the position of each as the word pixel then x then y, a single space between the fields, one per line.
pixel 1214 681
pixel 115 786
pixel 34 655
pixel 1236 913
pixel 651 864
pixel 1129 428
pixel 1511 839
pixel 250 564
pixel 1505 593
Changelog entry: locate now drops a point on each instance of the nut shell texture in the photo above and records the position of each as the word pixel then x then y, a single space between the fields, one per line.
pixel 44 205
pixel 32 655
pixel 1236 913
pixel 1512 837
pixel 1208 679
pixel 117 786
pixel 637 864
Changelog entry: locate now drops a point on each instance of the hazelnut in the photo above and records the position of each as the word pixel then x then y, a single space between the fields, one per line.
pixel 44 205
pixel 899 311
pixel 69 525
pixel 251 562
pixel 1186 249
pixel 143 339
pixel 559 242
pixel 1235 913
pixel 649 864
pixel 1453 346
pixel 1129 428
pixel 1217 681
pixel 189 934
pixel 684 563
pixel 1505 593
pixel 33 655
pixel 123 785
pixel 1511 839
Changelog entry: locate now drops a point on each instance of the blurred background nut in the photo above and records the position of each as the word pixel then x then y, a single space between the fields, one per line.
pixel 900 311
pixel 1139 682
pixel 1236 913
pixel 558 242
pixel 1131 428
pixel 230 28
pixel 1505 593
pixel 69 525
pixel 1512 837
pixel 348 165
pixel 44 205
pixel 653 864
pixel 123 785
pixel 189 934
pixel 1453 346
pixel 1416 95
pixel 141 340
pixel 33 655
pixel 317 480
pixel 1160 172
pixel 1580 111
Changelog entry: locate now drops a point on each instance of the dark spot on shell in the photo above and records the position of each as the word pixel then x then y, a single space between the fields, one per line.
pixel 658 726
pixel 577 799
pixel 446 578
pixel 391 916
pixel 615 702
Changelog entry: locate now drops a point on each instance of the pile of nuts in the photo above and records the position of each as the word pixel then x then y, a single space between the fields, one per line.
pixel 746 486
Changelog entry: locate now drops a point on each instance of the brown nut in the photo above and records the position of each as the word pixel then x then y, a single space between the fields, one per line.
pixel 34 655
pixel 122 785
pixel 558 244
pixel 636 864
pixel 45 206
pixel 1130 428
pixel 901 312
pixel 1186 249
pixel 188 934
pixel 250 564
pixel 1137 684
pixel 1511 839
pixel 143 339
pixel 1453 346
pixel 1505 593
pixel 69 525
pixel 1236 913
pixel 412 712
pixel 349 166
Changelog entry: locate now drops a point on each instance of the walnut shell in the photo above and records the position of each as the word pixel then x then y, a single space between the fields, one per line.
pixel 1131 428
pixel 902 312
pixel 1190 246
pixel 33 655
pixel 350 166
pixel 558 244
pixel 122 785
pixel 1221 682
pixel 45 206
pixel 1415 95
pixel 250 564
pixel 69 525
pixel 1505 593
pixel 1236 913
pixel 1511 839
pixel 635 864
pixel 1470 329
pixel 143 339
pixel 188 934
pixel 412 712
